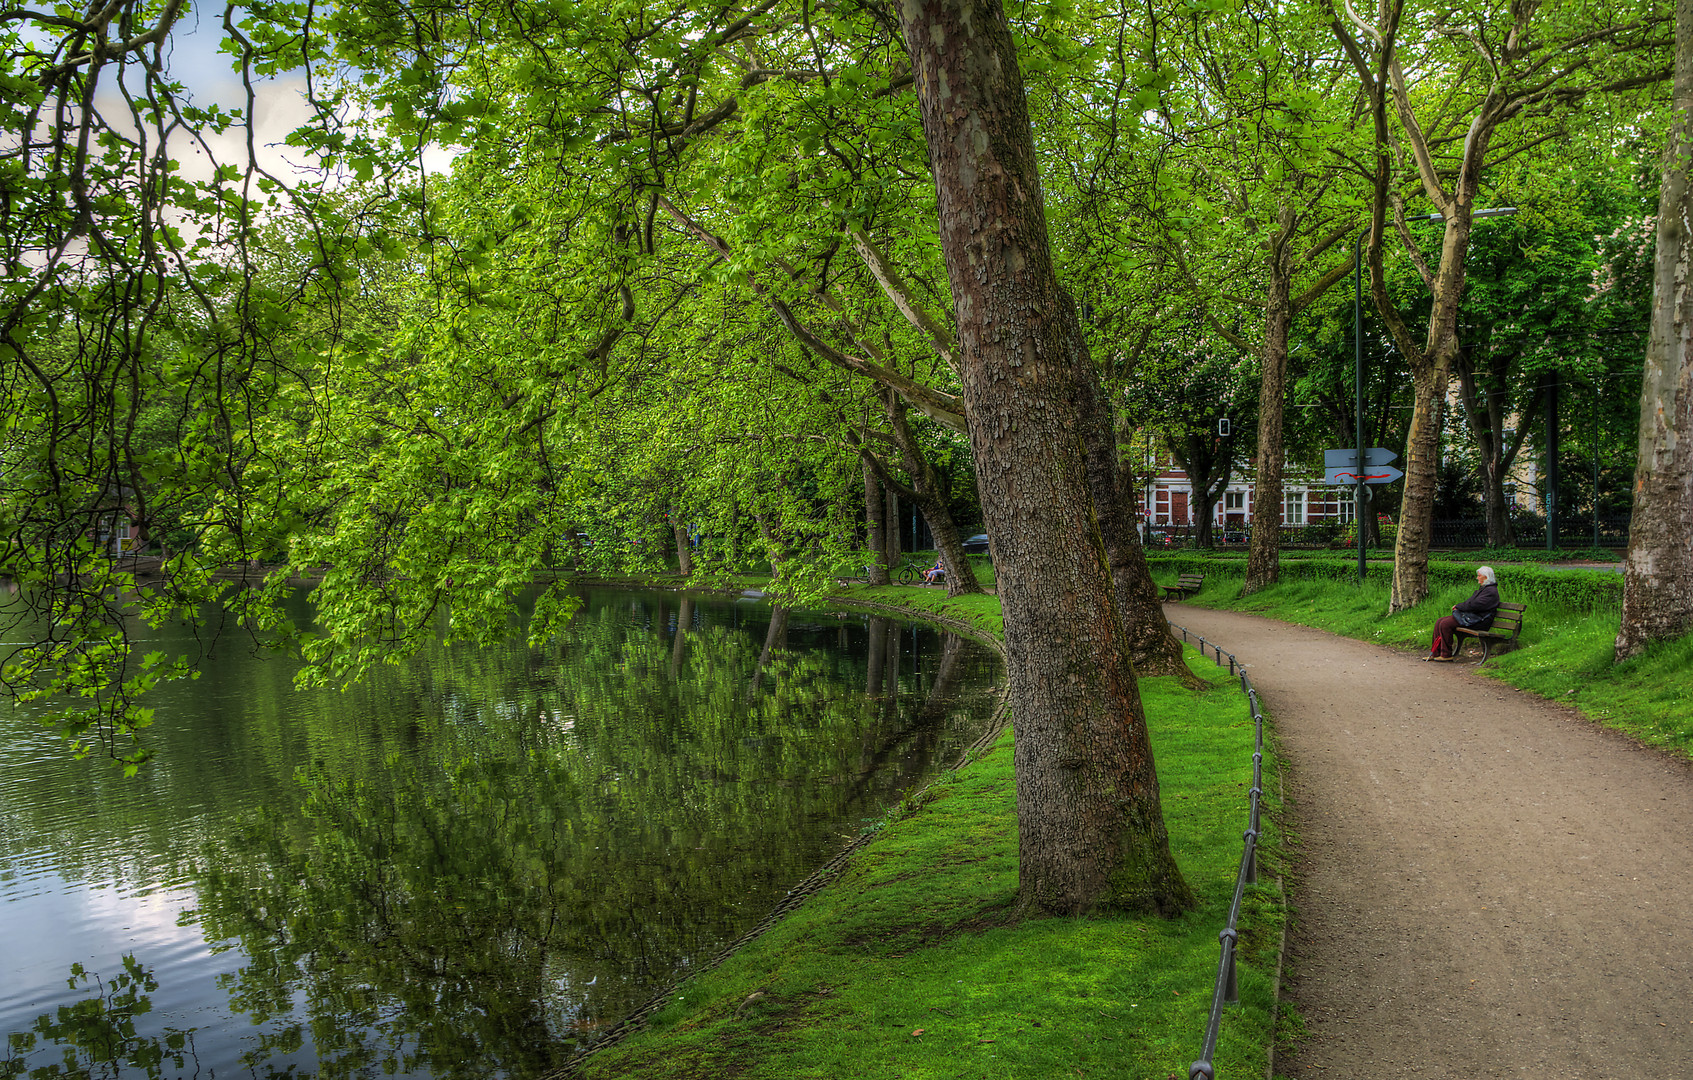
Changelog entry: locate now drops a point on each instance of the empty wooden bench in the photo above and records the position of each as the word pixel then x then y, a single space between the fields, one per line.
pixel 1507 624
pixel 1186 585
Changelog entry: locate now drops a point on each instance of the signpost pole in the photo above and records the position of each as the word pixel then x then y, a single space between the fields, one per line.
pixel 1358 388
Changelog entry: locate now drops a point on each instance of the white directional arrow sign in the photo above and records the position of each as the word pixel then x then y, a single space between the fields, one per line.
pixel 1373 455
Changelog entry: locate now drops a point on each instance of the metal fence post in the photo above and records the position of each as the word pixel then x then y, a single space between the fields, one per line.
pixel 1231 989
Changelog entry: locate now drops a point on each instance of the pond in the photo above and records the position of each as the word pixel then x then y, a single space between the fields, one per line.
pixel 464 867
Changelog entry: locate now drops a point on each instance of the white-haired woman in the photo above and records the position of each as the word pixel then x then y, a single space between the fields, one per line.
pixel 1476 613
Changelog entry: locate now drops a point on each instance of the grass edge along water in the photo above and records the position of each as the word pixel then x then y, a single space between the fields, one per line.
pixel 910 965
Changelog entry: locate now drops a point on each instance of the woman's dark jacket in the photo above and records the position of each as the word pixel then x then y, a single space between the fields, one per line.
pixel 1485 602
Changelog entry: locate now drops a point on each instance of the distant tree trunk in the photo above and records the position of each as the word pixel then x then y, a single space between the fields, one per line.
pixel 875 526
pixel 1208 461
pixel 1487 410
pixel 684 547
pixel 1453 194
pixel 1152 647
pixel 933 494
pixel 775 549
pixel 1091 829
pixel 1657 598
pixel 891 530
pixel 1263 562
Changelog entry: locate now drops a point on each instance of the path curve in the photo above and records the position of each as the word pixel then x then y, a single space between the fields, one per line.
pixel 1484 883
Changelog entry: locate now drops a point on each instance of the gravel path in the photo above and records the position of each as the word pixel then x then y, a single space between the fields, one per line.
pixel 1484 884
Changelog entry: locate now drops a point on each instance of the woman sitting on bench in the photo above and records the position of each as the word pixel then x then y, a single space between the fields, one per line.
pixel 1476 613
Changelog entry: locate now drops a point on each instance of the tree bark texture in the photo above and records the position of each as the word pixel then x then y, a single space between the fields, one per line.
pixel 1431 368
pixel 1416 509
pixel 1091 828
pixel 1263 561
pixel 1657 599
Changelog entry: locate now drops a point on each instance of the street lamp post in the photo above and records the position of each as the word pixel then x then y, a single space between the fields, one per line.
pixel 1358 365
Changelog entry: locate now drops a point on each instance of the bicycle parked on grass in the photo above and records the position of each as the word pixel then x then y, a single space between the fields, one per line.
pixel 907 573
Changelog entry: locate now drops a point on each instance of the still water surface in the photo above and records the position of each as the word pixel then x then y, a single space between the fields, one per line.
pixel 463 868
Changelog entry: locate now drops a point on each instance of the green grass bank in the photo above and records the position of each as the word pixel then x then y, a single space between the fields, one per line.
pixel 1566 643
pixel 908 964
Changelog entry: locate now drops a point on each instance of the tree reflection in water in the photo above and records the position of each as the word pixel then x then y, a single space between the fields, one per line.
pixel 98 1037
pixel 574 839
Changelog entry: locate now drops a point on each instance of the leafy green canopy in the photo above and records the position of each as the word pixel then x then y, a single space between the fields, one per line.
pixel 639 301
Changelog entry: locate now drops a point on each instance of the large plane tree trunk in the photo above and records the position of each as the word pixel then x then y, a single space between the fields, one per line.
pixel 1090 826
pixel 1657 598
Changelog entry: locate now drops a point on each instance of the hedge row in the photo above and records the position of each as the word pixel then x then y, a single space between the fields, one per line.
pixel 1583 590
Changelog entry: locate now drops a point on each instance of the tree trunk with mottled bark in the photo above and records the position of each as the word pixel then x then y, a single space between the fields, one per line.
pixel 1657 599
pixel 1090 826
pixel 1416 509
pixel 1263 561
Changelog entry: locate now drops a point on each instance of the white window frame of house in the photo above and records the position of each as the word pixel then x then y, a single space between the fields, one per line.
pixel 1347 503
pixel 1293 507
pixel 1234 500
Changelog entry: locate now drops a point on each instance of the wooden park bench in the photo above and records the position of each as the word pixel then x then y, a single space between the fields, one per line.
pixel 1507 624
pixel 1185 586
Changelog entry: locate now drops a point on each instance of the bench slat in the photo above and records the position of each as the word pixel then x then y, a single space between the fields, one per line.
pixel 1185 583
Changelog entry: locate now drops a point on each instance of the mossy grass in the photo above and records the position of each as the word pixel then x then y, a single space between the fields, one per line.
pixel 912 965
pixel 1566 644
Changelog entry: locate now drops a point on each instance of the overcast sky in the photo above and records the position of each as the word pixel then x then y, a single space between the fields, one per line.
pixel 279 103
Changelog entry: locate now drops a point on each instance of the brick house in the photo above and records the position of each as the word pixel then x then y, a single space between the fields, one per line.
pixel 1167 500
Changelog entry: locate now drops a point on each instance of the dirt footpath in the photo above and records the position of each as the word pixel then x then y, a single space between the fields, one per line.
pixel 1484 884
